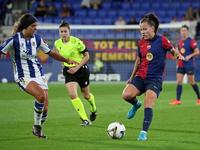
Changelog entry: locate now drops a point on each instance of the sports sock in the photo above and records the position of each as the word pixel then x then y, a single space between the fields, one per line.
pixel 38 109
pixel 178 92
pixel 148 115
pixel 44 117
pixel 196 89
pixel 78 105
pixel 91 101
pixel 133 101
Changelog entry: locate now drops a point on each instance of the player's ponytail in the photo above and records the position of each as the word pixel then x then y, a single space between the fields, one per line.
pixel 64 24
pixel 152 20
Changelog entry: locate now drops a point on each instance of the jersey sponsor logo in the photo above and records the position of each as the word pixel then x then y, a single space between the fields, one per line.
pixel 4 44
pixel 182 50
pixel 149 56
pixel 148 46
pixel 155 87
pixel 33 44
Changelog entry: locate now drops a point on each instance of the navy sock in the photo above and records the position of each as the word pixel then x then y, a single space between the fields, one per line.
pixel 148 115
pixel 133 101
pixel 178 92
pixel 44 117
pixel 196 89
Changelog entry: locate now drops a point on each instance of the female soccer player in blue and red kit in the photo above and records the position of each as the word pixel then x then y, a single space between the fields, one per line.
pixel 187 48
pixel 148 71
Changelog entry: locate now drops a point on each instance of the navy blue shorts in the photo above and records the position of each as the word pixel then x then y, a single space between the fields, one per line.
pixel 189 71
pixel 145 84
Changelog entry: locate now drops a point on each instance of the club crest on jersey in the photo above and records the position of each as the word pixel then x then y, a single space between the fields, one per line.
pixel 148 46
pixel 182 50
pixel 4 44
pixel 149 56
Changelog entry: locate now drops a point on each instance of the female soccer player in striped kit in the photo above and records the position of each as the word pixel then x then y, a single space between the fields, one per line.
pixel 28 74
pixel 147 76
pixel 71 47
pixel 188 48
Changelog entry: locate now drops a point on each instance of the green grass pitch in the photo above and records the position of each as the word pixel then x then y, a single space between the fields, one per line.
pixel 172 127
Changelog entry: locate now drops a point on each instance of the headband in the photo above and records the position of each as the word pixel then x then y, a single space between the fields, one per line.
pixel 30 20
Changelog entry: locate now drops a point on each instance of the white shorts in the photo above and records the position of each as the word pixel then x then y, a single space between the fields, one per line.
pixel 41 81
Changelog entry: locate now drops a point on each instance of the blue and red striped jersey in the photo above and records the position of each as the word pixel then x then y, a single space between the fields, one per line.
pixel 153 55
pixel 186 47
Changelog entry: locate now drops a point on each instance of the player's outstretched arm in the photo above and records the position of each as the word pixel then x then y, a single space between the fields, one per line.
pixel 58 57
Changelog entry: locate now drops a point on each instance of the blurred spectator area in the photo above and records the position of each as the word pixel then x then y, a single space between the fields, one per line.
pixel 111 10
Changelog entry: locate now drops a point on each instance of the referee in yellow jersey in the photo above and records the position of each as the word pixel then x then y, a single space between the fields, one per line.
pixel 73 48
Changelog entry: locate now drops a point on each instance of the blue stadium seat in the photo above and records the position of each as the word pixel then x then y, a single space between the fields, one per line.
pixel 122 12
pixel 141 12
pixel 69 20
pixel 106 5
pixel 70 5
pixel 165 5
pixel 76 6
pixel 81 13
pixel 167 19
pixel 116 4
pixel 108 21
pixel 40 19
pixel 152 11
pixel 97 21
pixel 48 19
pixel 171 12
pixel 112 13
pixel 102 13
pixel 92 13
pixel 78 20
pixel 35 4
pixel 126 5
pixel 100 35
pixel 57 20
pixel 195 4
pixel 120 35
pixel 181 12
pixel 155 5
pixel 138 34
pixel 57 5
pixel 30 11
pixel 162 13
pixel 175 5
pixel 127 19
pixel 131 12
pixel 185 4
pixel 146 5
pixel 130 35
pixel 110 35
pixel 89 36
pixel 79 35
pixel 136 5
pixel 88 20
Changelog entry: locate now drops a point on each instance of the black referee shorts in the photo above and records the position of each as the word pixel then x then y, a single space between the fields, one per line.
pixel 81 76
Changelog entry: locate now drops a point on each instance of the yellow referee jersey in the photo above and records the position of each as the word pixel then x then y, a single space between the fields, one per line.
pixel 72 50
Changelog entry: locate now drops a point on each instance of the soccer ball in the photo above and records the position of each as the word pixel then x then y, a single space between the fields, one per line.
pixel 4 80
pixel 116 130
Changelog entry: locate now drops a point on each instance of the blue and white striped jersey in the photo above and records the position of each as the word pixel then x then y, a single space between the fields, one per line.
pixel 23 53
